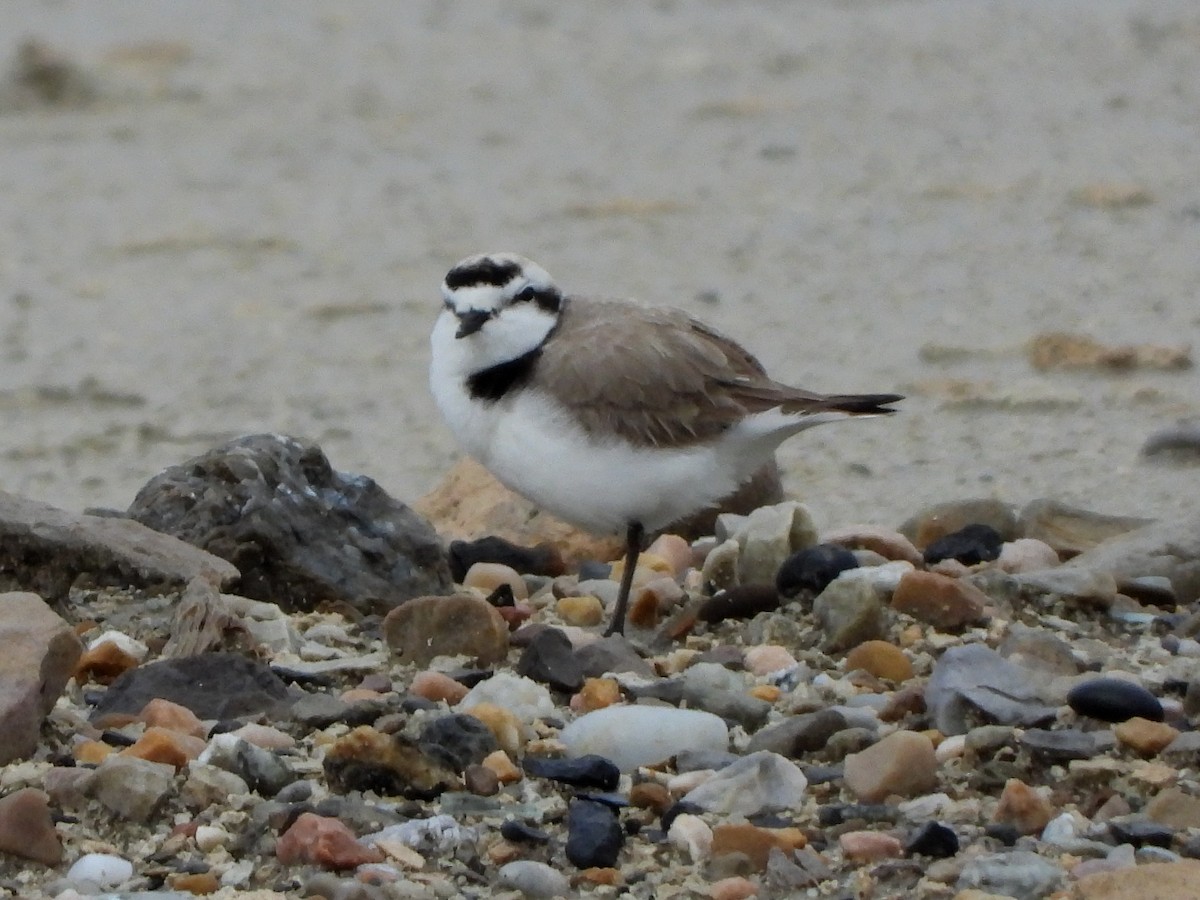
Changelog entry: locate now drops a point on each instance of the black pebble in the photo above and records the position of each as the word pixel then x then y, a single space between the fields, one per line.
pixel 540 560
pixel 969 545
pixel 1005 834
pixel 1141 832
pixel 741 602
pixel 589 771
pixel 813 568
pixel 550 659
pixel 594 835
pixel 1114 700
pixel 933 839
pixel 520 833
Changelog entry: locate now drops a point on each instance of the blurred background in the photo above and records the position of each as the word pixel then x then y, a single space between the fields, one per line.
pixel 219 218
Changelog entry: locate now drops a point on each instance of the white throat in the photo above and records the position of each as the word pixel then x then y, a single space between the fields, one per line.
pixel 510 334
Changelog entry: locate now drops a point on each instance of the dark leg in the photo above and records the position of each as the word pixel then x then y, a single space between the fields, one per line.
pixel 633 549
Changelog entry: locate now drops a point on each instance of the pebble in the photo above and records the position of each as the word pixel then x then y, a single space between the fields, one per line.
pixel 933 839
pixel 738 602
pixel 588 771
pixel 1145 736
pixel 131 788
pixel 27 829
pixel 759 783
pixel 487 577
pixel 103 663
pixel 1026 555
pixel 459 625
pixel 975 677
pixel 94 872
pixel 583 612
pixel 881 659
pixel 594 835
pixel 674 550
pixel 1175 808
pixel 902 763
pixel 1022 807
pixel 596 693
pixel 812 569
pixel 798 735
pixel 459 739
pixel 869 846
pixel 368 760
pixel 937 521
pixel 324 842
pixel 939 600
pixel 692 835
pixel 1019 873
pixel 849 612
pixel 527 700
pixel 767 658
pixel 633 736
pixel 544 559
pixel 1114 700
pixel 891 545
pixel 768 536
pixel 510 732
pixel 172 716
pixel 438 687
pixel 755 842
pixel 534 879
pixel 969 545
pixel 733 888
pixel 550 659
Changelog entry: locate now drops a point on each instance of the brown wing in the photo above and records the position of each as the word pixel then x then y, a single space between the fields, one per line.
pixel 657 377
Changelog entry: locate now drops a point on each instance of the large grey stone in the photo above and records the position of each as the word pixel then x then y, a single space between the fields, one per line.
pixel 49 550
pixel 1169 549
pixel 39 655
pixel 975 682
pixel 300 532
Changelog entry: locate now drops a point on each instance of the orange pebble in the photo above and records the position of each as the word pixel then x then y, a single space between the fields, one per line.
pixel 103 663
pixel 164 746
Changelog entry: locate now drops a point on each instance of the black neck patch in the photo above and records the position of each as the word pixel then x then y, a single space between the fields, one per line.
pixel 494 272
pixel 492 383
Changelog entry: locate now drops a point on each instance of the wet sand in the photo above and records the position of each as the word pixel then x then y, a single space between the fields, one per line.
pixel 245 229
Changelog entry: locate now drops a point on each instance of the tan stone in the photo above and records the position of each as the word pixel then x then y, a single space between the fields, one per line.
pixel 650 795
pixel 505 769
pixel 768 692
pixel 1174 808
pixel 903 763
pixel 597 693
pixel 1148 881
pixel 1022 807
pixel 881 659
pixel 470 503
pixel 172 716
pixel 161 745
pixel 504 725
pixel 584 612
pixel 869 846
pixel 487 577
pixel 1144 736
pixel 103 663
pixel 755 842
pixel 27 828
pixel 437 686
pixel 887 543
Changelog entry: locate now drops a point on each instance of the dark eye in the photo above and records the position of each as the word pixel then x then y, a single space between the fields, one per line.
pixel 526 294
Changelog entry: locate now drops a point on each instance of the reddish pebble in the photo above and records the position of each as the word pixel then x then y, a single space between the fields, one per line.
pixel 1023 807
pixel 735 888
pixel 674 550
pixel 515 616
pixel 767 658
pixel 359 695
pixel 173 717
pixel 437 687
pixel 939 600
pixel 27 829
pixel 868 846
pixel 324 842
pixel 198 883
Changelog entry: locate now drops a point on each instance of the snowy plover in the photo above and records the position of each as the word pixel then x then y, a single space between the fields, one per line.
pixel 614 416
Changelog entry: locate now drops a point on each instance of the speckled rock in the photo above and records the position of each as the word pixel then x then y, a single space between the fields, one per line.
pixel 849 611
pixel 939 600
pixel 131 788
pixel 461 624
pixel 390 765
pixel 325 842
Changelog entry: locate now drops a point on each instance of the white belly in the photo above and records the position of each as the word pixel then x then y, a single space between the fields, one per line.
pixel 530 444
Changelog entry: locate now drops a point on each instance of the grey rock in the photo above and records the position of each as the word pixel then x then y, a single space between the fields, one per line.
pixel 550 659
pixel 759 783
pixel 768 537
pixel 212 685
pixel 1064 745
pixel 715 689
pixel 301 532
pixel 1032 648
pixel 265 772
pixel 40 653
pixel 1071 530
pixel 319 710
pixel 457 740
pixel 974 681
pixel 611 654
pixel 798 735
pixel 132 788
pixel 594 835
pixel 1167 549
pixel 1085 587
pixel 850 611
pixel 50 550
pixel 944 518
pixel 1019 874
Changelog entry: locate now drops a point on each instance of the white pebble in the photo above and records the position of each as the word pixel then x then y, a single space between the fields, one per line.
pixel 209 837
pixel 951 748
pixel 100 871
pixel 692 835
pixel 534 879
pixel 633 736
pixel 122 642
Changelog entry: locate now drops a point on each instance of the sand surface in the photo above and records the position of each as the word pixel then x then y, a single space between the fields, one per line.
pixel 246 229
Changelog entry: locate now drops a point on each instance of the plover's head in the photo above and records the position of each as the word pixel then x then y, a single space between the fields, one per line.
pixel 496 286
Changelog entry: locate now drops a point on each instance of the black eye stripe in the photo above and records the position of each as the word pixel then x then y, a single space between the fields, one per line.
pixel 547 298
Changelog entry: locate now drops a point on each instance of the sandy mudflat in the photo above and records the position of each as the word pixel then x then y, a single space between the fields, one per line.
pixel 246 229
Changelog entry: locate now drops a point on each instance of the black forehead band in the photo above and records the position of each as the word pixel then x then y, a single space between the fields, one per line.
pixel 494 272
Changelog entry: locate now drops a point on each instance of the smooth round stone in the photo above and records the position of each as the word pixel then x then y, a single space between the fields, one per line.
pixel 534 879
pixel 970 545
pixel 487 576
pixel 633 736
pixel 100 870
pixel 1114 700
pixel 813 568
